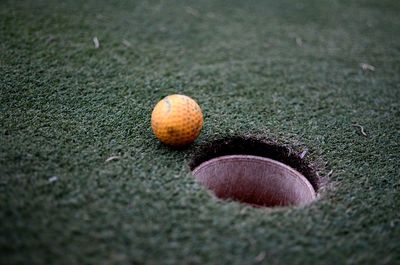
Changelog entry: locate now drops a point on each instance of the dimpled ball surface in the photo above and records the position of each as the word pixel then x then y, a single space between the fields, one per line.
pixel 177 120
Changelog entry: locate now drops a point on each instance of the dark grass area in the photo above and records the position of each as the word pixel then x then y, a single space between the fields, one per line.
pixel 286 70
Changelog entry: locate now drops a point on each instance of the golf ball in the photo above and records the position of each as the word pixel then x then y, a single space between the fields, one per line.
pixel 177 120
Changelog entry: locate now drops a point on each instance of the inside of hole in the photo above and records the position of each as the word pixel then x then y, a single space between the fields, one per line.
pixel 255 180
pixel 262 147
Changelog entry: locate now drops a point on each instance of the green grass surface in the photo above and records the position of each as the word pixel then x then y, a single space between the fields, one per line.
pixel 288 70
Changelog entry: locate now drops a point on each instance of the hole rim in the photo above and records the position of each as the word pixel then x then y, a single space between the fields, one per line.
pixel 255 145
pixel 292 189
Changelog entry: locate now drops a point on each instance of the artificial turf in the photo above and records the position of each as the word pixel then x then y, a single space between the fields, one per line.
pixel 287 70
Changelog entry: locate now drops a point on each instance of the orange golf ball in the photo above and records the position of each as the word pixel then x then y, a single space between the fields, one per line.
pixel 177 120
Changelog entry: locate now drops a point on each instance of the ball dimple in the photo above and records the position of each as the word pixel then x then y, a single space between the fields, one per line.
pixel 177 120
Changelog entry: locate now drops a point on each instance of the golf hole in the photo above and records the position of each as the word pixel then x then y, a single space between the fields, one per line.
pixel 254 172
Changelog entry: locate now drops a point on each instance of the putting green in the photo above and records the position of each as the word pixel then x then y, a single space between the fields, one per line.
pixel 84 181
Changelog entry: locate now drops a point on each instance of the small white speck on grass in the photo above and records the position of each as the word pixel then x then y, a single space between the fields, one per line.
pixel 260 257
pixel 211 15
pixel 362 131
pixel 53 179
pixel 50 39
pixel 299 42
pixel 127 43
pixel 101 17
pixel 96 42
pixel 192 11
pixel 329 173
pixel 111 158
pixel 162 29
pixel 367 67
pixel 303 154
